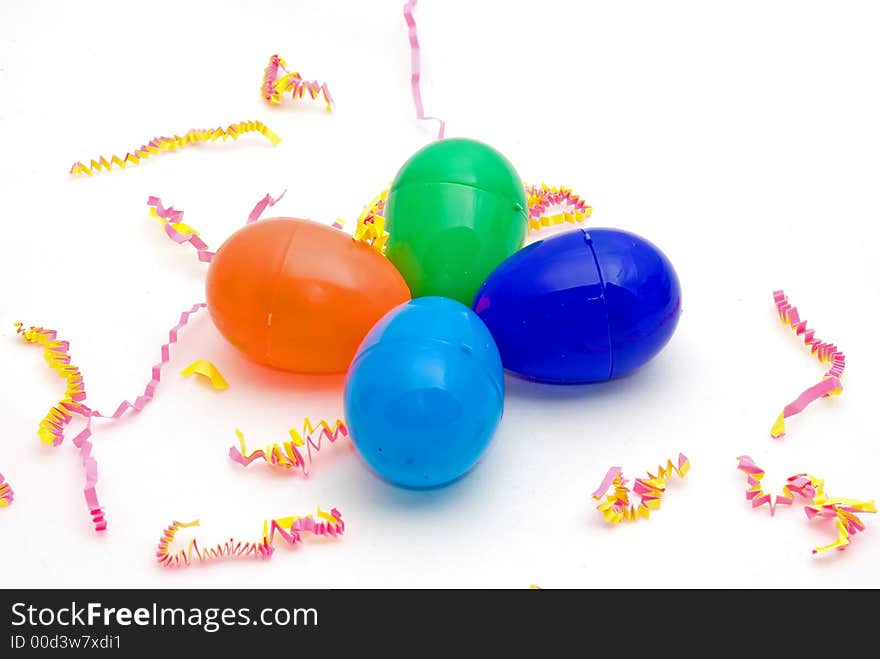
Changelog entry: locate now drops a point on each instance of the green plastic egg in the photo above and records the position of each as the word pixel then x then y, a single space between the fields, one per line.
pixel 455 210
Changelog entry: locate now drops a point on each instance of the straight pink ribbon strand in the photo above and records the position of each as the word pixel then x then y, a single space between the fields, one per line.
pixel 825 352
pixel 415 58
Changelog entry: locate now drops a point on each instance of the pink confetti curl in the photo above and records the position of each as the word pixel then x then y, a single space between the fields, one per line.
pixel 755 493
pixel 172 223
pixel 819 505
pixel 6 493
pixel 825 352
pixel 172 219
pixel 415 59
pixel 276 85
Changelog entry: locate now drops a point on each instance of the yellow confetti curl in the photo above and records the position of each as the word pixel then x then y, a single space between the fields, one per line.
pixel 207 370
pixel 370 228
pixel 162 144
pixel 842 510
pixel 547 206
pixel 55 353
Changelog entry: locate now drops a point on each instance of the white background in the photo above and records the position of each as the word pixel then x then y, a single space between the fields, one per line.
pixel 740 137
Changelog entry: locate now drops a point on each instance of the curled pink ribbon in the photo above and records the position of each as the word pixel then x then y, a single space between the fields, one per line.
pixel 172 223
pixel 290 529
pixel 275 85
pixel 6 493
pixel 172 220
pixel 798 484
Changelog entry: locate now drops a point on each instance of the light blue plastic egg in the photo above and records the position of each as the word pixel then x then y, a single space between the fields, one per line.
pixel 425 393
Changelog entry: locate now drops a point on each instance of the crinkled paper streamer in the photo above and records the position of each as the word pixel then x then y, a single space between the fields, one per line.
pixel 261 206
pixel 415 59
pixel 842 511
pixel 278 81
pixel 550 206
pixel 177 230
pixel 755 490
pixel 288 454
pixel 164 144
pixel 55 352
pixel 370 227
pixel 290 529
pixel 6 493
pixel 617 506
pixel 826 353
pixel 180 232
pixel 51 428
pixel 207 370
pixel 819 505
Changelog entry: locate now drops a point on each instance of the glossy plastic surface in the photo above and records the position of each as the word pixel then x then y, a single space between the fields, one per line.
pixel 582 306
pixel 298 295
pixel 642 296
pixel 456 210
pixel 425 393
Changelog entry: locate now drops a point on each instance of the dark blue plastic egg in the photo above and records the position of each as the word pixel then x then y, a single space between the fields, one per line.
pixel 581 306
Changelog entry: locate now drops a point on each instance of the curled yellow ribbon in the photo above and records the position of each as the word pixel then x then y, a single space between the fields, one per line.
pixel 617 507
pixel 207 370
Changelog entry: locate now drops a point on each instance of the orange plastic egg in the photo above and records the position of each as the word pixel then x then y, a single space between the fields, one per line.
pixel 298 295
